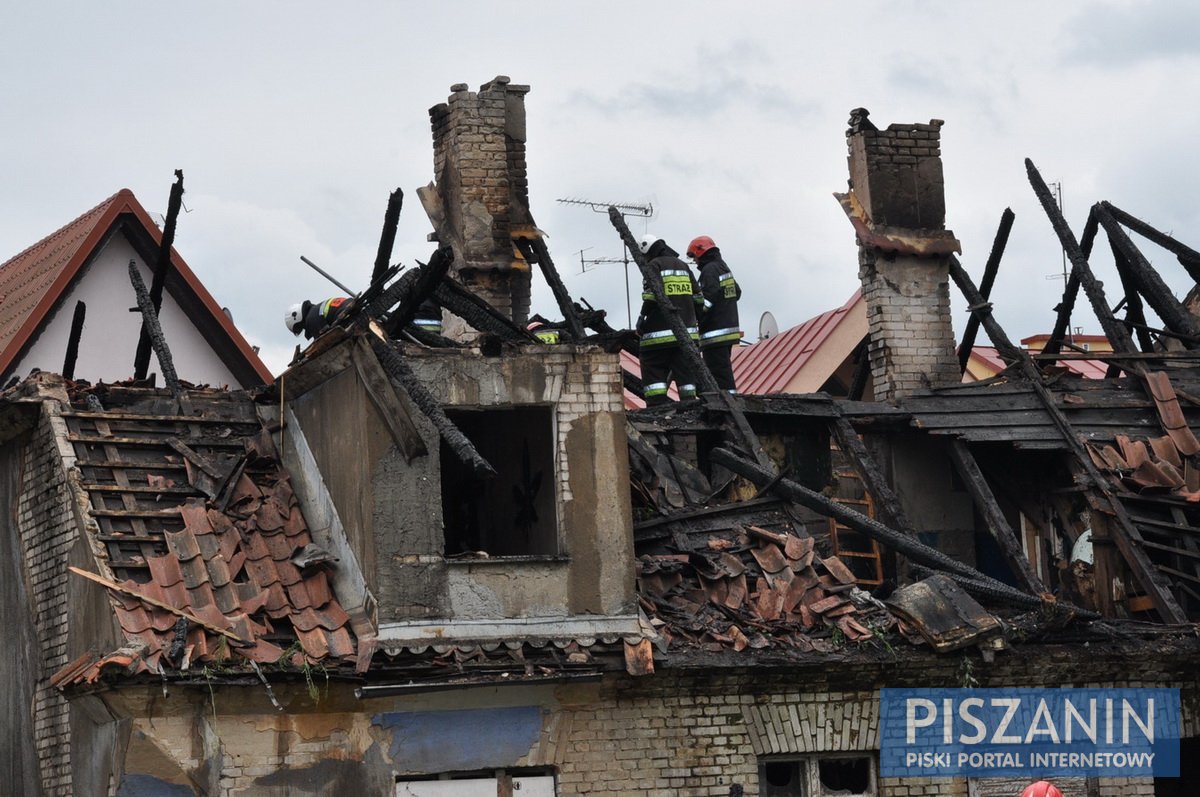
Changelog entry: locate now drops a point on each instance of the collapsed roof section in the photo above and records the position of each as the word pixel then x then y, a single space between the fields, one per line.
pixel 760 523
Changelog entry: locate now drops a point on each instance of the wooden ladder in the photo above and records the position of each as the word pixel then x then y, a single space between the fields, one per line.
pixel 860 553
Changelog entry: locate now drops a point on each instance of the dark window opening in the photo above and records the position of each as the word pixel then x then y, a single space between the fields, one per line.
pixel 513 513
pixel 844 775
pixel 782 779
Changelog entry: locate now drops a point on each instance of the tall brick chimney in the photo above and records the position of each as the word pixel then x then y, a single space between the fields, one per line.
pixel 897 206
pixel 481 194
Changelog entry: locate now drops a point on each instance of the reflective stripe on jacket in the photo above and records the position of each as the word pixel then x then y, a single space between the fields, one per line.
pixel 681 291
pixel 719 324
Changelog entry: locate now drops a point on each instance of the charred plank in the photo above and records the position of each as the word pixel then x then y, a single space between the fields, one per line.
pixel 141 361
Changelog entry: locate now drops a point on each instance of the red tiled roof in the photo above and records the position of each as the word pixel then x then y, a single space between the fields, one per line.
pixel 770 365
pixel 33 282
pixel 168 544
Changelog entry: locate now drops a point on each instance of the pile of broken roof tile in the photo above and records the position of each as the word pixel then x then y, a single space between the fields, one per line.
pixel 1153 465
pixel 760 590
pixel 241 585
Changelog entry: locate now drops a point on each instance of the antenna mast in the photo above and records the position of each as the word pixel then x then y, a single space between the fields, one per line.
pixel 627 209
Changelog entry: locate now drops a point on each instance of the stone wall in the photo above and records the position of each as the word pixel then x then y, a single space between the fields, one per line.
pixel 482 192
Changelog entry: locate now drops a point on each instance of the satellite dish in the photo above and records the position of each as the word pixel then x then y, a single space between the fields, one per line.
pixel 768 327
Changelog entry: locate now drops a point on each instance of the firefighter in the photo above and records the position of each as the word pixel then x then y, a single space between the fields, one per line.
pixel 429 317
pixel 543 332
pixel 313 319
pixel 1041 789
pixel 661 354
pixel 719 330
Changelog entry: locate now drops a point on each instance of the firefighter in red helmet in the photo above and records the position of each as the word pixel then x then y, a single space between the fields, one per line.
pixel 1041 789
pixel 719 330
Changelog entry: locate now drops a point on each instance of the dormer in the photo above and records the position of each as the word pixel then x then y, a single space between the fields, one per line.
pixel 541 549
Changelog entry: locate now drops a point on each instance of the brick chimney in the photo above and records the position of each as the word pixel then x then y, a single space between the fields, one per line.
pixel 481 194
pixel 897 206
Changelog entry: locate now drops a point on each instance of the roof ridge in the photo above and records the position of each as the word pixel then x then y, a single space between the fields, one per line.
pixel 97 210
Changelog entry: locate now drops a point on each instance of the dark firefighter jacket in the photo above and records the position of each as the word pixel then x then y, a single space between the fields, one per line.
pixel 681 290
pixel 719 321
pixel 320 315
pixel 429 316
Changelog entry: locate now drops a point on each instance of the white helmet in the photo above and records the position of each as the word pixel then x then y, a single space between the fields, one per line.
pixel 294 318
pixel 646 242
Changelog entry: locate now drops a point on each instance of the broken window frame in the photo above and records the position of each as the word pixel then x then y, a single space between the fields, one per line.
pixel 808 768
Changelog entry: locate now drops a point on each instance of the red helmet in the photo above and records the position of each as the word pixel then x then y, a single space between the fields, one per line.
pixel 699 246
pixel 1041 789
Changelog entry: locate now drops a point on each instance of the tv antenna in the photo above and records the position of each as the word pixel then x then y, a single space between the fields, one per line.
pixel 626 209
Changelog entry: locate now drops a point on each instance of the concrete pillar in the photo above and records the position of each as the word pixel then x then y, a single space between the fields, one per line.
pixel 897 203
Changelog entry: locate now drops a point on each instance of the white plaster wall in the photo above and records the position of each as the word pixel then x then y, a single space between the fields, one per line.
pixel 110 331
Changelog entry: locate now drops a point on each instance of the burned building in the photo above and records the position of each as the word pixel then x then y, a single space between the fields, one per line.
pixel 418 565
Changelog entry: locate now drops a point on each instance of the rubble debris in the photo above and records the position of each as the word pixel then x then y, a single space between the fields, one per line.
pixel 946 616
pixel 763 590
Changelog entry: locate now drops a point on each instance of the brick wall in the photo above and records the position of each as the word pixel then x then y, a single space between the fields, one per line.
pixel 896 176
pixel 48 530
pixel 678 733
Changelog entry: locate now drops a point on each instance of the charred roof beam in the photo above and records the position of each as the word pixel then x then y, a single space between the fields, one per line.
pixel 1189 258
pixel 1147 280
pixel 985 286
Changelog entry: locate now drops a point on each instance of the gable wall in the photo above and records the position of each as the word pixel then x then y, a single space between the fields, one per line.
pixel 110 332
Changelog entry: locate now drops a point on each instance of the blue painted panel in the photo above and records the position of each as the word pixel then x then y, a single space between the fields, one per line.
pixel 456 741
pixel 133 785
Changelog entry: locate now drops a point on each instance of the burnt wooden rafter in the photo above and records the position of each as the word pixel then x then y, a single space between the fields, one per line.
pixel 1189 258
pixel 404 379
pixel 1135 316
pixel 985 286
pixel 141 360
pixel 1128 538
pixel 1148 282
pixel 151 326
pixel 1064 309
pixel 387 237
pixel 534 250
pixel 1094 288
pixel 72 352
pixel 908 546
pixel 997 525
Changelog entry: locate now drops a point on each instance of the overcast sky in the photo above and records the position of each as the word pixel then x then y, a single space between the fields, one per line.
pixel 293 121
